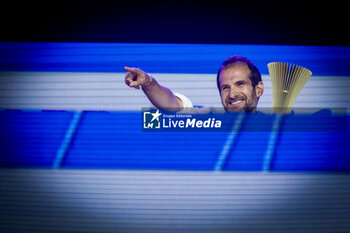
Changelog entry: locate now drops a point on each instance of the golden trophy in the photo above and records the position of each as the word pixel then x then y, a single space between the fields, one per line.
pixel 287 81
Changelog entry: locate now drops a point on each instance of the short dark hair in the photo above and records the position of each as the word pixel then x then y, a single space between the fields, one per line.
pixel 255 76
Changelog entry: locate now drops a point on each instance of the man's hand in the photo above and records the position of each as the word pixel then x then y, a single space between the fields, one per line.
pixel 161 97
pixel 136 77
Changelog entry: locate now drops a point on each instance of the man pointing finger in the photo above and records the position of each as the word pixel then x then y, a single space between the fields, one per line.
pixel 238 80
pixel 160 96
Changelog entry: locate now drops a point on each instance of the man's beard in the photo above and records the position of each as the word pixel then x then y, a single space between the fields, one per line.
pixel 246 108
pixel 249 107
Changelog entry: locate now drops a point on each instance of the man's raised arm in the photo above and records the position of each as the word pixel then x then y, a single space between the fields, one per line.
pixel 161 97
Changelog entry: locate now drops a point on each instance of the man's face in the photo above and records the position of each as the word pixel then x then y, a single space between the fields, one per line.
pixel 237 92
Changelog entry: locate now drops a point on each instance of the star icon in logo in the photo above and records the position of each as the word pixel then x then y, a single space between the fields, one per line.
pixel 156 115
